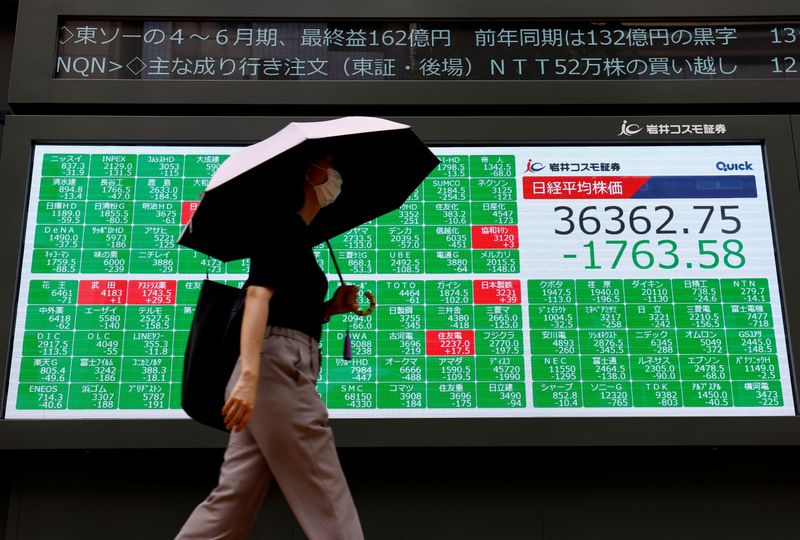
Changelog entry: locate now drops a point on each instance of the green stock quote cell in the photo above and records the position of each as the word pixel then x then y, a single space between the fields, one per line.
pixel 707 394
pixel 659 341
pixel 158 166
pixel 446 213
pixel 553 317
pixel 107 237
pixel 53 317
pixel 493 189
pixel 193 262
pixel 47 343
pixel 203 165
pixel 448 292
pixel 696 291
pixel 494 213
pixel 45 370
pixel 150 317
pixel 448 237
pixel 607 394
pixel 449 317
pixel 400 237
pixel 157 213
pixel 551 291
pixel 144 396
pixel 403 395
pixel 402 369
pixel 711 367
pixel 193 188
pixel 352 396
pixel 496 261
pixel 754 367
pixel 497 395
pixel 408 215
pixel 498 317
pixel 105 261
pixel 451 369
pixel 748 315
pixel 655 367
pixel 744 290
pixel 554 342
pixel 42 396
pixel 556 368
pixel 393 261
pixel 53 292
pixel 601 316
pixel 401 317
pixel 63 189
pixel 648 291
pixel 363 237
pixel 650 316
pixel 657 394
pixel 155 237
pixel 451 166
pixel 500 368
pixel 401 292
pixel 757 394
pixel 61 212
pixel 558 395
pixel 751 341
pixel 53 261
pixel 113 165
pixel 450 261
pixel 446 189
pixel 104 369
pixel 699 316
pixel 492 166
pixel 188 291
pixel 498 342
pixel 701 342
pixel 608 291
pixel 111 189
pixel 65 165
pixel 98 396
pixel 153 261
pixel 605 368
pixel 403 343
pixel 146 369
pixel 452 395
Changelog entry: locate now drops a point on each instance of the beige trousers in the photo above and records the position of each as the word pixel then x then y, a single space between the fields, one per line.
pixel 288 439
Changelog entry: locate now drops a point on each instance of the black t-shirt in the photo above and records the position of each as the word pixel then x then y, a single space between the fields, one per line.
pixel 286 263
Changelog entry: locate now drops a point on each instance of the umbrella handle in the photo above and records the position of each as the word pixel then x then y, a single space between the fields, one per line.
pixel 363 313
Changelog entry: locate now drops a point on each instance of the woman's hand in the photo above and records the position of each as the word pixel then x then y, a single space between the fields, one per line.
pixel 345 300
pixel 242 401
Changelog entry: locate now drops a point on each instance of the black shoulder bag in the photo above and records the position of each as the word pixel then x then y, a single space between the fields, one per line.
pixel 212 352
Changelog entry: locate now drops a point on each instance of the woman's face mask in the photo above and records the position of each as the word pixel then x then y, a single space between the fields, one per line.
pixel 328 191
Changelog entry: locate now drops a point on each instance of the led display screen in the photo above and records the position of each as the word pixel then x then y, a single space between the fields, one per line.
pixel 517 281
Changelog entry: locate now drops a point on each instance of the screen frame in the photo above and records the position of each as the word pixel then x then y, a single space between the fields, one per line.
pixel 782 160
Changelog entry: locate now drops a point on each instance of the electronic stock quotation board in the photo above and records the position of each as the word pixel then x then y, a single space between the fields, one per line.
pixel 516 281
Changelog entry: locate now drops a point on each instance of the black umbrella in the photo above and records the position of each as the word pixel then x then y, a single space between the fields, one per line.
pixel 381 162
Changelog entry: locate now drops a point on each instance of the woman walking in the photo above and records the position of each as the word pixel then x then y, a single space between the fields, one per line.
pixel 279 424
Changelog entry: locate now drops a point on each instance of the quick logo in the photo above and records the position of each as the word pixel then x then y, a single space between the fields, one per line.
pixel 727 167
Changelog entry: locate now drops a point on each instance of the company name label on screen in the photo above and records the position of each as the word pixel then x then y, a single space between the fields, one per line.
pixel 516 281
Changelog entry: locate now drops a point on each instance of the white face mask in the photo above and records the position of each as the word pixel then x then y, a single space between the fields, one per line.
pixel 328 191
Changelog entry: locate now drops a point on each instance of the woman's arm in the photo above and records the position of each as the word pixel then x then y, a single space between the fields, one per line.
pixel 240 404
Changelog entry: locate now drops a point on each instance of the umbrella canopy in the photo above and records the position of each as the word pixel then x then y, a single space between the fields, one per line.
pixel 381 163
